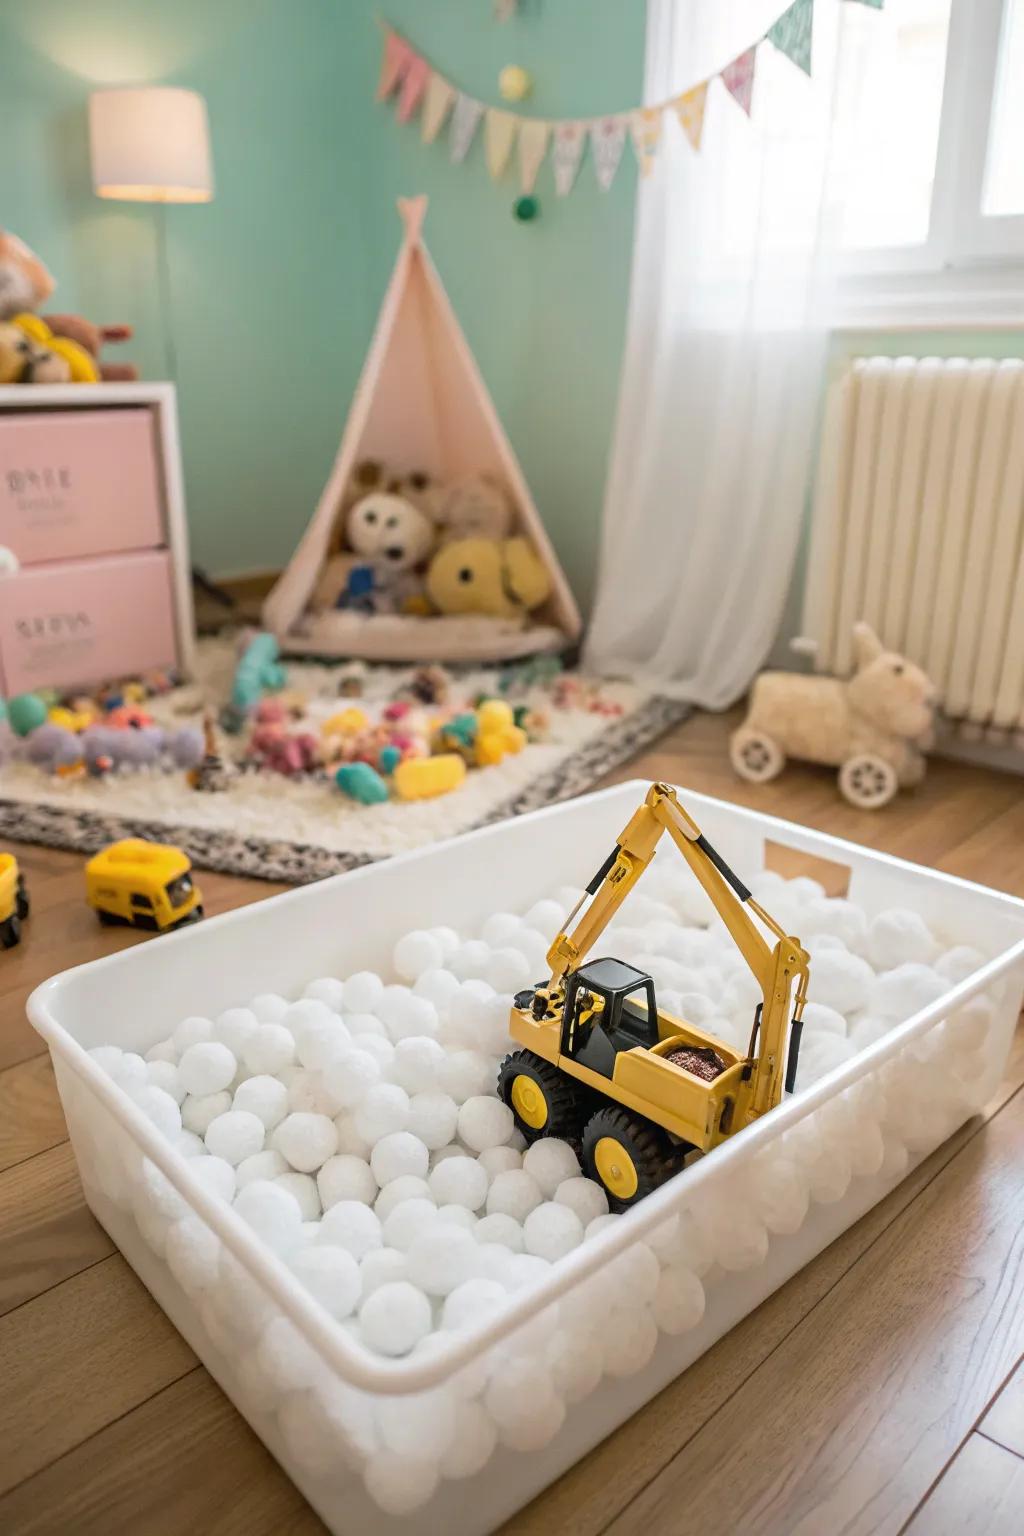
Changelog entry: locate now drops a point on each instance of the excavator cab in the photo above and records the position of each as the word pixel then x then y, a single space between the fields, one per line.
pixel 609 1007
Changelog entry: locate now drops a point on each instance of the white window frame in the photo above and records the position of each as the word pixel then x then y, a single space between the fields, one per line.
pixel 970 269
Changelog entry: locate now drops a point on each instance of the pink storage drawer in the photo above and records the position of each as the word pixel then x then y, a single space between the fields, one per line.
pixel 86 621
pixel 78 483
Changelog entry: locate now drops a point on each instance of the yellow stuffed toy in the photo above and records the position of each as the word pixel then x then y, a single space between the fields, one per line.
pixel 503 578
pixel 81 365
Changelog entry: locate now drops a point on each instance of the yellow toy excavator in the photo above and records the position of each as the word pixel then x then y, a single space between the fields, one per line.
pixel 602 1064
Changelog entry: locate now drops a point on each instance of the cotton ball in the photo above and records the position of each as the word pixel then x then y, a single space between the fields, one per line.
pixel 207 1067
pixel 408 1187
pixel 466 1009
pixel 866 1029
pixel 820 1054
pixel 968 1028
pixel 407 1221
pixel 438 987
pixel 552 1230
pixel 550 1161
pixel 829 1175
pixel 162 1051
pixel 484 1122
pixel 867 1151
pixel 464 1074
pixel 192 1252
pixel 525 1270
pixel 524 1405
pixel 517 1192
pixel 398 1155
pixel 459 1181
pixel 960 962
pixel 363 992
pixel 345 1177
pixel 216 1175
pixel 270 1048
pixel 306 1140
pixel 159 1108
pixel 817 1016
pixel 902 992
pixel 470 960
pixel 780 1194
pixel 191 1031
pixel 304 1189
pixel 839 918
pixel 443 1153
pixel 694 1008
pixel 349 1076
pixel 235 1135
pixel 433 1118
pixel 262 1165
pixel 678 1301
pixel 164 1075
pixel 493 1037
pixel 399 1484
pixel 381 1049
pixel 383 1110
pixel 351 1225
pixel 500 928
pixel 290 1363
pixel 457 1215
pixel 394 1317
pixel 326 989
pixel 262 1096
pixel 508 970
pixel 441 1257
pixel 416 1063
pixel 331 1275
pixel 499 1229
pixel 381 1266
pixel 899 936
pixel 494 1261
pixel 189 1144
pixel 472 1302
pixel 582 1196
pixel 499 1160
pixel 234 1027
pixel 272 1213
pixel 545 918
pixel 534 950
pixel 741 1241
pixel 840 980
pixel 269 1007
pixel 319 1042
pixel 406 1014
pixel 473 1442
pixel 415 953
pixel 306 1092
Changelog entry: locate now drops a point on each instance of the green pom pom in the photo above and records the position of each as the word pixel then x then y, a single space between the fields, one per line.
pixel 25 713
pixel 525 209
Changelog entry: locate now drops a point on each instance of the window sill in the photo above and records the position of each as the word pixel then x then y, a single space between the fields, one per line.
pixel 975 299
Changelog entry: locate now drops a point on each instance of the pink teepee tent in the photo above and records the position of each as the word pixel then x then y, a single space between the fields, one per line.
pixel 421 403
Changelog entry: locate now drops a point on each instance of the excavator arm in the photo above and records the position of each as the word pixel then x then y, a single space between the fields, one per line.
pixel 774 969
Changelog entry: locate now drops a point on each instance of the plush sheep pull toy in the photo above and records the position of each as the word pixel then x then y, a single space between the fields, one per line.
pixel 875 726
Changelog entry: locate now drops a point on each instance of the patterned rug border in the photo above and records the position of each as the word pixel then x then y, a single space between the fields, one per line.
pixel 302 863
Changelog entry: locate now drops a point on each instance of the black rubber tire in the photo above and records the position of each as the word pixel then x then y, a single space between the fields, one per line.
pixel 653 1155
pixel 195 916
pixel 568 1104
pixel 111 919
pixel 22 904
pixel 10 932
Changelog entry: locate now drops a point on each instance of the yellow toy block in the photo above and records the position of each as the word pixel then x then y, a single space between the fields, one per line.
pixel 419 778
pixel 494 715
pixel 347 722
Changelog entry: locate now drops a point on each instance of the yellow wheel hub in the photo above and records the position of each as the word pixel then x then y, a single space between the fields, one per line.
pixel 529 1102
pixel 615 1168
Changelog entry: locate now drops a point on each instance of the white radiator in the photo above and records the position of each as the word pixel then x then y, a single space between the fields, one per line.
pixel 918 527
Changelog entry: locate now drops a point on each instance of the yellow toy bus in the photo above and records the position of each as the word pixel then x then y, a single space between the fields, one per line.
pixel 14 903
pixel 143 885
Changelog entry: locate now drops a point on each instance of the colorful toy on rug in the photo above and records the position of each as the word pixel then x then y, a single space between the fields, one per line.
pixel 212 774
pixel 875 726
pixel 275 746
pixel 57 349
pixel 138 884
pixel 259 671
pixel 14 902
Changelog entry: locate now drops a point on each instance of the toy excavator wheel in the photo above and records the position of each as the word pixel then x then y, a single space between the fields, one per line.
pixel 22 903
pixel 755 756
pixel 10 932
pixel 867 781
pixel 542 1100
pixel 627 1155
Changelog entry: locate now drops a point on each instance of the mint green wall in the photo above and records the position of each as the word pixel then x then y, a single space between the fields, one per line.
pixel 275 284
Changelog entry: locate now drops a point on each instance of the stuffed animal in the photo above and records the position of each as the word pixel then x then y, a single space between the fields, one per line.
pixel 25 285
pixel 874 727
pixel 472 507
pixel 503 578
pixel 24 361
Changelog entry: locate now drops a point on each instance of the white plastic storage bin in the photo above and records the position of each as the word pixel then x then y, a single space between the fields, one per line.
pixel 355 1432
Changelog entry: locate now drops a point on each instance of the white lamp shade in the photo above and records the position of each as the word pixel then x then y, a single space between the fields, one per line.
pixel 150 144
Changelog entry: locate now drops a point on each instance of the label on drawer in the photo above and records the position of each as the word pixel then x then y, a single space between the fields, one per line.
pixel 68 625
pixel 78 483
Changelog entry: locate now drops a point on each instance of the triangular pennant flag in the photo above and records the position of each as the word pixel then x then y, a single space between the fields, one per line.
pixel 437 104
pixel 607 137
pixel 499 133
pixel 690 112
pixel 414 83
pixel 465 119
pixel 393 65
pixel 645 131
pixel 533 144
pixel 791 34
pixel 738 78
pixel 566 153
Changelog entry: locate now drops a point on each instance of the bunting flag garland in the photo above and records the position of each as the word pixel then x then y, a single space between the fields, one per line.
pixel 792 33
pixel 421 89
pixel 465 121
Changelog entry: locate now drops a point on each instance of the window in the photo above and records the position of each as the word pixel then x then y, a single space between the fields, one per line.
pixel 933 214
pixel 139 900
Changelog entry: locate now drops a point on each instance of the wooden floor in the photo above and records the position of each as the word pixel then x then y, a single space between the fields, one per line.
pixel 873 1393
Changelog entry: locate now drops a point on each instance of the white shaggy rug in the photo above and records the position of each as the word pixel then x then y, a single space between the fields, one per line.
pixel 301 829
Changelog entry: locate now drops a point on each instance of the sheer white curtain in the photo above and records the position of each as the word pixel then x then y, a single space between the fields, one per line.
pixel 724 357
